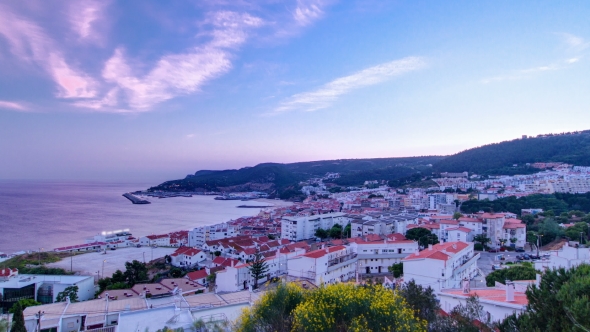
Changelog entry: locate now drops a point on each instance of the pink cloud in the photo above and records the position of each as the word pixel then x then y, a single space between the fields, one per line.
pixel 12 105
pixel 179 74
pixel 29 42
pixel 83 16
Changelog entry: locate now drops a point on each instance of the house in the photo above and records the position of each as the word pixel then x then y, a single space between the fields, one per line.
pixel 442 265
pixel 187 257
pixel 199 277
pixel 162 240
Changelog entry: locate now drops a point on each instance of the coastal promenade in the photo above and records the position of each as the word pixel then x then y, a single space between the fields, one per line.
pixel 92 263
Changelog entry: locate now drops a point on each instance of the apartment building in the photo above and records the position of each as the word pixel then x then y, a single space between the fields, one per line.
pixel 442 265
pixel 325 266
pixel 302 228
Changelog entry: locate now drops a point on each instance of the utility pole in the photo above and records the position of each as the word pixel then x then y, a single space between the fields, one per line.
pixel 103 267
pixel 71 263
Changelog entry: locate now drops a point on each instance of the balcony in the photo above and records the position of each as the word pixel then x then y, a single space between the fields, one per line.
pixel 338 262
pixel 466 263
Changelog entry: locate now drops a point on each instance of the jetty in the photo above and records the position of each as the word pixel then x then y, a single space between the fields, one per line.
pixel 135 200
pixel 255 206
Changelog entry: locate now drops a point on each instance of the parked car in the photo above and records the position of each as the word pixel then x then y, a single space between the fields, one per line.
pixel 519 249
pixel 496 267
pixel 535 257
pixel 493 250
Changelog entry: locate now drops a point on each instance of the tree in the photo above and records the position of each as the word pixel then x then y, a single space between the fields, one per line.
pixel 397 269
pixel 482 238
pixel 348 307
pixel 422 300
pixel 273 312
pixel 528 219
pixel 560 303
pixel 348 230
pixel 135 272
pixel 336 231
pixel 3 325
pixel 217 253
pixel 422 235
pixel 168 259
pixel 321 233
pixel 258 268
pixel 175 272
pixel 522 272
pixel 70 291
pixel 457 215
pixel 470 317
pixel 24 303
pixel 18 320
pixel 550 230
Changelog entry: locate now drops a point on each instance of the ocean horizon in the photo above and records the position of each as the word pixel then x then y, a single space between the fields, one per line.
pixel 47 214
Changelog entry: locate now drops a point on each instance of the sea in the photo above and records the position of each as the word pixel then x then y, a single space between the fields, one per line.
pixel 45 215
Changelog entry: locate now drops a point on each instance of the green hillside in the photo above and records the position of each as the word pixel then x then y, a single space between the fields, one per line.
pixel 498 158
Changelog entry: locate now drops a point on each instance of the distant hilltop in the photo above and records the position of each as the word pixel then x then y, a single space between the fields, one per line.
pixel 281 180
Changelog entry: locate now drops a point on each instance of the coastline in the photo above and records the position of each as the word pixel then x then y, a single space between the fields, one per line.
pixel 273 202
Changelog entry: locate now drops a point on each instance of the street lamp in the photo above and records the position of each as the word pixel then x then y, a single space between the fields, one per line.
pixel 538 235
pixel 103 267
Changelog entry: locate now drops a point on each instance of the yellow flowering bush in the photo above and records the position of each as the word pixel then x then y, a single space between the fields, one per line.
pixel 346 307
pixel 340 307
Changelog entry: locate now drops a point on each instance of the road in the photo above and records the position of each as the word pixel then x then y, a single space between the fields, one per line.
pixel 92 263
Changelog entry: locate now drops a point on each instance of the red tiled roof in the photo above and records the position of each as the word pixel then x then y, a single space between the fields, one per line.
pixel 462 229
pixel 441 251
pixel 196 275
pixel 322 252
pixel 498 295
pixel 5 272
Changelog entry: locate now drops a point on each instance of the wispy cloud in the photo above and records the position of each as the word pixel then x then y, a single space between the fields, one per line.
pixel 573 41
pixel 30 43
pixel 308 11
pixel 179 74
pixel 128 82
pixel 12 105
pixel 83 16
pixel 325 96
pixel 530 72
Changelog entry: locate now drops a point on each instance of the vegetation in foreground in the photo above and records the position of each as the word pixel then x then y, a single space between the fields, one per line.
pixel 348 307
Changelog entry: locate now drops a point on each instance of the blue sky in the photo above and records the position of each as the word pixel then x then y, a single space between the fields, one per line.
pixel 152 90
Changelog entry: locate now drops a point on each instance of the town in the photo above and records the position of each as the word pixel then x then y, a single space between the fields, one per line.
pixel 365 235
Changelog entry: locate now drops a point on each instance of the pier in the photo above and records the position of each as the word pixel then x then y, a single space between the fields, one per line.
pixel 135 199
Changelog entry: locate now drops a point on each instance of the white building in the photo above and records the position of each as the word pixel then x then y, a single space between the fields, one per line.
pixel 187 257
pixel 443 265
pixel 162 240
pixel 42 288
pixel 199 235
pixel 375 254
pixel 302 228
pixel 239 277
pixel 328 265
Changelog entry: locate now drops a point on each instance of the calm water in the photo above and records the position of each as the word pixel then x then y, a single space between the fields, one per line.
pixel 46 215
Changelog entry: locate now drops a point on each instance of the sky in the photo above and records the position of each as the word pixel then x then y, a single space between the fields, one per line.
pixel 154 90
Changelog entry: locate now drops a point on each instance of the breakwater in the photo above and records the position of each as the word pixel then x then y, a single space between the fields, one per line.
pixel 135 199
